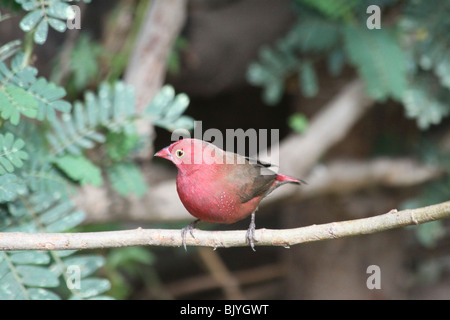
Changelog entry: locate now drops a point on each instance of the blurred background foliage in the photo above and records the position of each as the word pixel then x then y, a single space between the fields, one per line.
pixel 68 120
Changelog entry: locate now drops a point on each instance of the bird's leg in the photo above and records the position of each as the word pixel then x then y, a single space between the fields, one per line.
pixel 250 236
pixel 190 227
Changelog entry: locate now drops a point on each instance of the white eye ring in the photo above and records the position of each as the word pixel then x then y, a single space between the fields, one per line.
pixel 179 153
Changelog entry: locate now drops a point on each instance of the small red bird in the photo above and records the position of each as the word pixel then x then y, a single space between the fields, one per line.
pixel 218 186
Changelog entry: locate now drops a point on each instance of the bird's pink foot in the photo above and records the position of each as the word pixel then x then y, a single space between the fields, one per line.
pixel 250 235
pixel 190 227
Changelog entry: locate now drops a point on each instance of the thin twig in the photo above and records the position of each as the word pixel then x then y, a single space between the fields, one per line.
pixel 243 277
pixel 346 176
pixel 221 274
pixel 147 67
pixel 265 237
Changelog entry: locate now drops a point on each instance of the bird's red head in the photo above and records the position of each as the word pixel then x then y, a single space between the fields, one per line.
pixel 187 153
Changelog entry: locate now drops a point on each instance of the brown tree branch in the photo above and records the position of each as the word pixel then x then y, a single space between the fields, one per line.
pixel 146 70
pixel 172 238
pixel 299 153
pixel 243 277
pixel 219 271
pixel 346 176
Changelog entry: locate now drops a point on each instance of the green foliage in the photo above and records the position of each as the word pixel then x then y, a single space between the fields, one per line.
pixel 308 79
pixel 291 55
pixel 126 179
pixel 11 187
pixel 127 257
pixel 90 287
pixel 174 60
pixel 298 122
pixel 166 110
pixel 428 234
pixel 83 61
pixel 44 141
pixel 48 96
pixel 425 33
pixel 21 93
pixel 376 54
pixel 123 263
pixel 379 59
pixel 408 61
pixel 9 49
pixel 113 108
pixel 23 277
pixel 42 14
pixel 31 274
pixel 426 101
pixel 46 178
pixel 80 169
pixel 11 4
pixel 12 154
pixel 334 9
pixel 120 145
pixel 15 101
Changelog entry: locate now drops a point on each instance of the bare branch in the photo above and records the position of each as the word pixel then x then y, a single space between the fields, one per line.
pixel 147 68
pixel 219 271
pixel 299 153
pixel 346 176
pixel 265 237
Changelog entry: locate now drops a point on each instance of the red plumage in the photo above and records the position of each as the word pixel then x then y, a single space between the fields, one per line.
pixel 218 186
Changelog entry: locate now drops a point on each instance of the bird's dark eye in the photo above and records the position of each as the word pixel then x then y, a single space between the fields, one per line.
pixel 179 153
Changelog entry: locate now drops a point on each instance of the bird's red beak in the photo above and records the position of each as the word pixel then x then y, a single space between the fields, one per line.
pixel 164 153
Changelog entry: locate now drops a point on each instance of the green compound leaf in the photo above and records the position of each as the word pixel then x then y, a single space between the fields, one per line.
pixel 80 169
pixel 380 61
pixel 126 179
pixel 37 276
pixel 11 187
pixel 11 153
pixel 15 101
pixel 44 13
pixel 90 288
pixel 31 20
pixel 166 110
pixel 40 36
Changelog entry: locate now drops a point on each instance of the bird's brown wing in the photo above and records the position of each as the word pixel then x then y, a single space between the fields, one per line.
pixel 254 179
pixel 259 187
